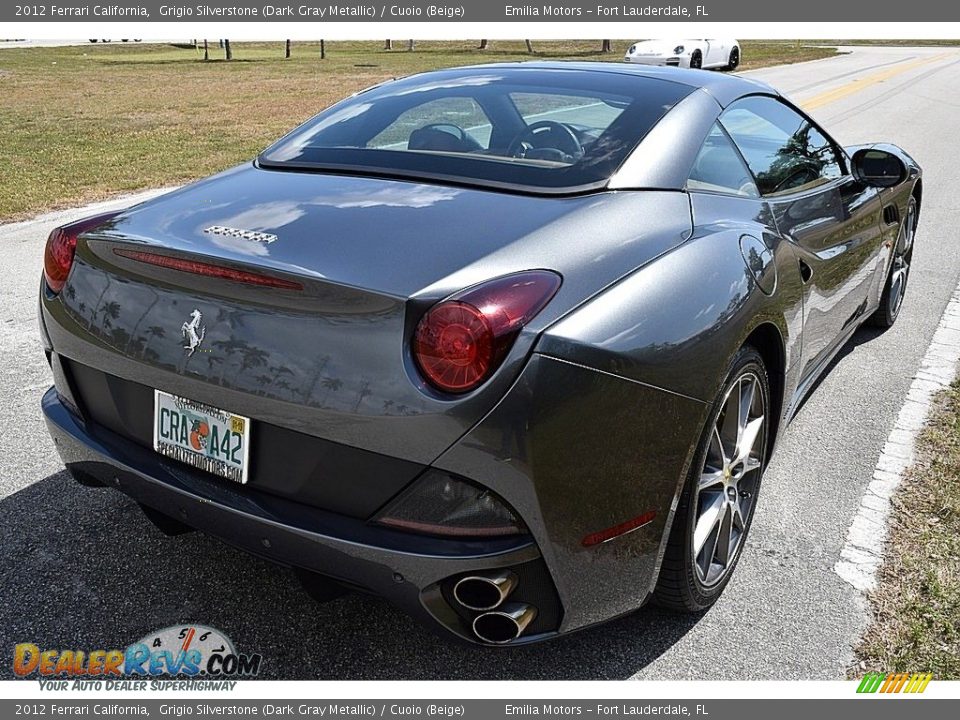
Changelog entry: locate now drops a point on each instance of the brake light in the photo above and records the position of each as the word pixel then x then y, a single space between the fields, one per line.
pixel 62 246
pixel 209 269
pixel 462 340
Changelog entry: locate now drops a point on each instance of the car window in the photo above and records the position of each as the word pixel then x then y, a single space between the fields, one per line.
pixel 530 129
pixel 460 117
pixel 719 167
pixel 785 151
pixel 581 111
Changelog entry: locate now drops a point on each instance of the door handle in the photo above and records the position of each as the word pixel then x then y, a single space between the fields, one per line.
pixel 806 272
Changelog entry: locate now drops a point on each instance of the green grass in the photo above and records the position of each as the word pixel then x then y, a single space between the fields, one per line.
pixel 82 123
pixel 916 625
pixel 897 43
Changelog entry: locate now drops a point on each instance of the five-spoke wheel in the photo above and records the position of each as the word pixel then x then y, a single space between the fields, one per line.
pixel 725 492
pixel 718 500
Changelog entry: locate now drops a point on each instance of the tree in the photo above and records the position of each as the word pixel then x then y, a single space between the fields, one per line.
pixel 227 52
pixel 253 357
pixel 111 312
pixel 153 332
pixel 286 53
pixel 529 47
pixel 331 384
pixel 363 393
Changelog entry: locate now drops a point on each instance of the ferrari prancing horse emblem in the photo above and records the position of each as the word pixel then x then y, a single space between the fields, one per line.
pixel 193 332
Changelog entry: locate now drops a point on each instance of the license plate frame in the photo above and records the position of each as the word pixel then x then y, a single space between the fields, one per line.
pixel 209 439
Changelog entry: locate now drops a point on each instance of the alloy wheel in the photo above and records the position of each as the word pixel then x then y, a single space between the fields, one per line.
pixel 726 491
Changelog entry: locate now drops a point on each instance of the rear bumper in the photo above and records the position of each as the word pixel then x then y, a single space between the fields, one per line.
pixel 408 570
pixel 568 480
pixel 574 451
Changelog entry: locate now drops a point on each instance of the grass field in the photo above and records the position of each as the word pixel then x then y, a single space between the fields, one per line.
pixel 898 43
pixel 916 625
pixel 83 123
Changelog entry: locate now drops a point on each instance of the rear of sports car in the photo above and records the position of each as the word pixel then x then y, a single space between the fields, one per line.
pixel 345 375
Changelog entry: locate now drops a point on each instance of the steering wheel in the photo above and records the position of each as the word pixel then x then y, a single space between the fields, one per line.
pixel 544 135
pixel 796 179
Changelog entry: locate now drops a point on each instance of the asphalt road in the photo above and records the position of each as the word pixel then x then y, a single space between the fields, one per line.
pixel 81 568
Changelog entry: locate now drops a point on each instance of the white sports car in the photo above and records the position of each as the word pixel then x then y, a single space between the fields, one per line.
pixel 686 53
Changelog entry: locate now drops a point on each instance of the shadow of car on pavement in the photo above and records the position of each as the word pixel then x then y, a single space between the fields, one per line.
pixel 82 568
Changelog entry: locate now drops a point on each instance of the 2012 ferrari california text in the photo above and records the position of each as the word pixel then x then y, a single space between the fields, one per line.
pixel 509 345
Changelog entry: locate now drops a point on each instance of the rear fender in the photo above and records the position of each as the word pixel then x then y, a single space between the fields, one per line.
pixel 677 323
pixel 674 326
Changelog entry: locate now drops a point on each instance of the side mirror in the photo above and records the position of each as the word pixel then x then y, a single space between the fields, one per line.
pixel 877 168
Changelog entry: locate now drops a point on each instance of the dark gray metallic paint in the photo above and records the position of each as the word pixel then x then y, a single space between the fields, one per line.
pixel 337 329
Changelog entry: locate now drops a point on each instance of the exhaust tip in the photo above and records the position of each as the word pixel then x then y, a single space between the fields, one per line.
pixel 504 625
pixel 484 592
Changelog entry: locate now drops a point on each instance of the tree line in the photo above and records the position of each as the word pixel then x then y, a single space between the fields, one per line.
pixel 605 47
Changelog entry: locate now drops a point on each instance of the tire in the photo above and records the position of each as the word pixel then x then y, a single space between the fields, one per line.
pixel 895 286
pixel 696 60
pixel 692 578
pixel 734 59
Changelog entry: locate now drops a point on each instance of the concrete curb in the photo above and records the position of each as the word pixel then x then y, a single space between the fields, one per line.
pixel 863 551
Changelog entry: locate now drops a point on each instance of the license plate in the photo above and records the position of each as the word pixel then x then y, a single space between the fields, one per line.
pixel 201 435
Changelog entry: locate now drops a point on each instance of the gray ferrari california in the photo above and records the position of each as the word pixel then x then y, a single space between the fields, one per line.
pixel 509 345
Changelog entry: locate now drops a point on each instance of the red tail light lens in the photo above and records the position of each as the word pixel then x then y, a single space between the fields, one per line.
pixel 62 245
pixel 461 341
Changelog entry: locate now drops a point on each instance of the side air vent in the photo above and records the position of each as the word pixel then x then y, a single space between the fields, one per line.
pixel 891 216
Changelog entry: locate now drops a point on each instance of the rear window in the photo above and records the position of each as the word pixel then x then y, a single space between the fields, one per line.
pixel 549 130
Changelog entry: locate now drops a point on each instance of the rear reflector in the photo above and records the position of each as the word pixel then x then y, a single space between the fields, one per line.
pixel 623 528
pixel 208 269
pixel 440 503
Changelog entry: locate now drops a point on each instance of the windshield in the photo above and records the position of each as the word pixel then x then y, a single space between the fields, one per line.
pixel 548 130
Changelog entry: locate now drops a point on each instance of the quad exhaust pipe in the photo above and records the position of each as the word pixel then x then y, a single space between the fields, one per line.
pixel 505 624
pixel 486 591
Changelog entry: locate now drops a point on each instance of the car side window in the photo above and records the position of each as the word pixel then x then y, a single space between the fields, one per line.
pixel 785 151
pixel 719 168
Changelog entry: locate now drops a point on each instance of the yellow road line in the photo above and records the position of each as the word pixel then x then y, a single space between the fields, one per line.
pixel 862 83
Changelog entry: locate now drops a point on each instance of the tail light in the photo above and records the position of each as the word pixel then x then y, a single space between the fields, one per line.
pixel 462 340
pixel 62 245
